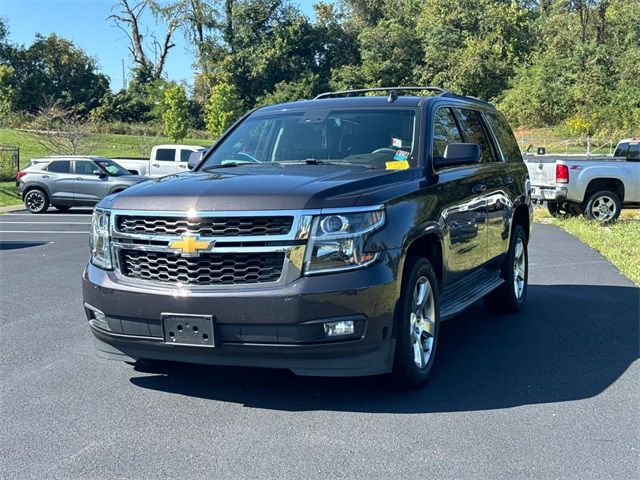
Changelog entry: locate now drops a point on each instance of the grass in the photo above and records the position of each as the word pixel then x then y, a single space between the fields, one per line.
pixel 107 145
pixel 9 194
pixel 618 243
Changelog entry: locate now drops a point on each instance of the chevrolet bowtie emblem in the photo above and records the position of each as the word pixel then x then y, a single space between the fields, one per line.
pixel 189 245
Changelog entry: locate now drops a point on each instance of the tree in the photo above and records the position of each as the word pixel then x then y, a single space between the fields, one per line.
pixel 60 130
pixel 176 113
pixel 53 68
pixel 128 16
pixel 223 108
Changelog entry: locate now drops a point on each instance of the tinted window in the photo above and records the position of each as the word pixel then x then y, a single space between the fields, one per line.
pixel 369 138
pixel 634 151
pixel 184 155
pixel 85 168
pixel 166 154
pixel 622 150
pixel 59 167
pixel 445 131
pixel 505 137
pixel 473 132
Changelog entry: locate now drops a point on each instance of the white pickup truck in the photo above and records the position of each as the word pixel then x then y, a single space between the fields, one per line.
pixel 598 187
pixel 165 160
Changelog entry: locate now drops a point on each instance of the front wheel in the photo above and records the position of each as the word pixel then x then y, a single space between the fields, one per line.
pixel 418 325
pixel 509 297
pixel 561 210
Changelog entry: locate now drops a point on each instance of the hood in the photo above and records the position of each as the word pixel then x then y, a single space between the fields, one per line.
pixel 133 178
pixel 260 187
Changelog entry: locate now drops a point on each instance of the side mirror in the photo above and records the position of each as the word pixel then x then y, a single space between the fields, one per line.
pixel 194 159
pixel 459 154
pixel 99 173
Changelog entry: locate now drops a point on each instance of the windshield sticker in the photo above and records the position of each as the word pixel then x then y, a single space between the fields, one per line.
pixel 396 142
pixel 402 155
pixel 397 165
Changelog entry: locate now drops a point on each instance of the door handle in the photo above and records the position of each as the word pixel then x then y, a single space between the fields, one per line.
pixel 181 166
pixel 45 176
pixel 507 180
pixel 479 187
pixel 157 165
pixel 79 178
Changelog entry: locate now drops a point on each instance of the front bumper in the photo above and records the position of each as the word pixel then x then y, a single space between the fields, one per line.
pixel 551 194
pixel 275 327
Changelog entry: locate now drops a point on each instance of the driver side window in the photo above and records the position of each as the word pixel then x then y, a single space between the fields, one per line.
pixel 85 168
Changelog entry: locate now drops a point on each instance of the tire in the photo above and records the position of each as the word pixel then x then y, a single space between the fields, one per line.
pixel 603 206
pixel 559 210
pixel 416 335
pixel 62 208
pixel 36 201
pixel 510 296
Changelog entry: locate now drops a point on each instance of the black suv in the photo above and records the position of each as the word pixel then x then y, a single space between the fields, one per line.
pixel 329 236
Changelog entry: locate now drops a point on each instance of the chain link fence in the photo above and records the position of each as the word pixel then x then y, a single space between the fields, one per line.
pixel 9 162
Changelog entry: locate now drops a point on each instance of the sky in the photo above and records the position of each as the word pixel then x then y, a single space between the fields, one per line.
pixel 84 22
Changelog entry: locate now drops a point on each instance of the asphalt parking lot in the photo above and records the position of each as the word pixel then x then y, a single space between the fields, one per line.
pixel 552 392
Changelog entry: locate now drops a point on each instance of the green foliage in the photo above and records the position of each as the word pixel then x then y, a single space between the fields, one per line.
pixel 301 89
pixel 223 108
pixel 7 92
pixel 53 69
pixel 176 113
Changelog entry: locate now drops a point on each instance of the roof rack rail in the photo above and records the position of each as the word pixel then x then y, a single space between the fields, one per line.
pixel 347 93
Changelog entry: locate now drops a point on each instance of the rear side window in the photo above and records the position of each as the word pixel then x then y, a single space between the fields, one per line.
pixel 166 154
pixel 445 131
pixel 622 150
pixel 59 167
pixel 634 151
pixel 505 137
pixel 473 132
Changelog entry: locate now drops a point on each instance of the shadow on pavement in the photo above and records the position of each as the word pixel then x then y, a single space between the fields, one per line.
pixel 17 245
pixel 570 342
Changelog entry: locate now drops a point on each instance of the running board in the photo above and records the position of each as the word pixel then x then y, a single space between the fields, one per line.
pixel 465 292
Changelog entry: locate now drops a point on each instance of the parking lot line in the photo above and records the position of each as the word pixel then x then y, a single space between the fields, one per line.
pixel 43 231
pixel 45 223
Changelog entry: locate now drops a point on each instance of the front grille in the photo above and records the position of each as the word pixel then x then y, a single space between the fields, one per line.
pixel 207 269
pixel 206 226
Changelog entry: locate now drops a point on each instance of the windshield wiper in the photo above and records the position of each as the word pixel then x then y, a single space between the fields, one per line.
pixel 224 165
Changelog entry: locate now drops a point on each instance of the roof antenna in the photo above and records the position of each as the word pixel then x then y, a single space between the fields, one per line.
pixel 393 96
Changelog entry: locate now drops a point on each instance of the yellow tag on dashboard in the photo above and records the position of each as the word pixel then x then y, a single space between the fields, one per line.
pixel 397 165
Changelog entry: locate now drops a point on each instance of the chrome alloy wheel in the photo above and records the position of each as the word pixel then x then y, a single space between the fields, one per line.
pixel 519 268
pixel 422 322
pixel 603 208
pixel 34 200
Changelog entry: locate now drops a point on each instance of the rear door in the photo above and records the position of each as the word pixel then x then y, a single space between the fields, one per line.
pixel 89 186
pixel 59 178
pixel 463 202
pixel 165 162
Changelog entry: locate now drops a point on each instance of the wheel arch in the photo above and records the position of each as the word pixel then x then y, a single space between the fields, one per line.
pixel 611 184
pixel 33 186
pixel 428 244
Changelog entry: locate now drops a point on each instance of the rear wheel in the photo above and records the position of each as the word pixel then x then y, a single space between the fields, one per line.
pixel 418 325
pixel 36 201
pixel 603 206
pixel 509 297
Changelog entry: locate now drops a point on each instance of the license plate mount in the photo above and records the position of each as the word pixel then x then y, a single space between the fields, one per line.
pixel 184 329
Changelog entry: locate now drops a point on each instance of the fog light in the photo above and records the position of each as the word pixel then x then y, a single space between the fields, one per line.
pixel 97 318
pixel 333 329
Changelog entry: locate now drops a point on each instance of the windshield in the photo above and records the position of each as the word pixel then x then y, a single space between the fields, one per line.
pixel 112 168
pixel 382 138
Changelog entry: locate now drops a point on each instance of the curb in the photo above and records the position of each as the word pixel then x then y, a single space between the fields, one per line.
pixel 12 208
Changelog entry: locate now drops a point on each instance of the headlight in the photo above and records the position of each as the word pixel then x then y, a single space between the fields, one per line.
pixel 337 241
pixel 99 243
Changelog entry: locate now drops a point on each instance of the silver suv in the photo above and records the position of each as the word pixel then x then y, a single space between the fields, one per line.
pixel 71 181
